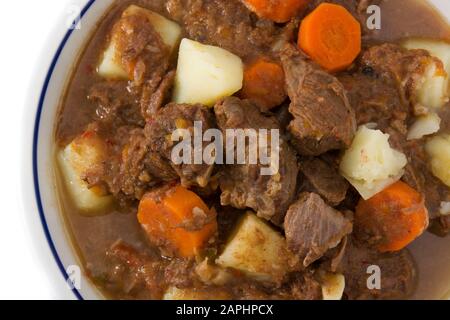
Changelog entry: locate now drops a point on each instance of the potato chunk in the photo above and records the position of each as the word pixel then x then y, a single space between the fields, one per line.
pixel 434 92
pixel 370 164
pixel 80 156
pixel 438 149
pixel 173 293
pixel 111 67
pixel 424 126
pixel 257 250
pixel 206 74
pixel 333 286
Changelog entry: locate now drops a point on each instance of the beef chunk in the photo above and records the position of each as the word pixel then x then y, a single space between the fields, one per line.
pixel 142 157
pixel 398 273
pixel 324 180
pixel 227 24
pixel 312 228
pixel 243 185
pixel 323 118
pixel 376 100
pixel 140 169
pixel 115 105
pixel 165 122
pixel 407 67
pixel 144 53
pixel 155 93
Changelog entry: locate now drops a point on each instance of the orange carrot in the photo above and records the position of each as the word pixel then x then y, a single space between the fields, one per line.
pixel 177 219
pixel 331 36
pixel 394 217
pixel 264 84
pixel 276 10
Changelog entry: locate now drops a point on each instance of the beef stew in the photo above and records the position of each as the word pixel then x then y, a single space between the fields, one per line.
pixel 159 206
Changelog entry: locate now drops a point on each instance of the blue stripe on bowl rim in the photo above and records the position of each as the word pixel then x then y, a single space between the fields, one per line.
pixel 35 149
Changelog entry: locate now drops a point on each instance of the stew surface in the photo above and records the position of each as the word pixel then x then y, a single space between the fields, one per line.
pixel 359 204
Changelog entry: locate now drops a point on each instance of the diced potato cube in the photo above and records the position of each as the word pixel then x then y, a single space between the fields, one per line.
pixel 169 30
pixel 370 164
pixel 256 249
pixel 333 286
pixel 75 160
pixel 424 126
pixel 435 90
pixel 173 293
pixel 206 74
pixel 111 67
pixel 438 149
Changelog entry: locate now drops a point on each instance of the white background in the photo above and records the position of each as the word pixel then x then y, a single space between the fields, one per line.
pixel 24 28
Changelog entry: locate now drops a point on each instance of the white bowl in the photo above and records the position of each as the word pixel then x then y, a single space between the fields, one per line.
pixel 52 244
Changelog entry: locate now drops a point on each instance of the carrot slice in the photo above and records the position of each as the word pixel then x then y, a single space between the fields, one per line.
pixel 178 220
pixel 392 218
pixel 264 84
pixel 276 10
pixel 331 36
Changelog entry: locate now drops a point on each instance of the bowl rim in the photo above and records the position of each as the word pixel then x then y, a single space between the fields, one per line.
pixel 37 123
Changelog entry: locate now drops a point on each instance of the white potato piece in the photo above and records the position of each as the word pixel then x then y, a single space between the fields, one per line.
pixel 110 66
pixel 424 126
pixel 206 74
pixel 173 293
pixel 434 92
pixel 370 164
pixel 333 286
pixel 75 160
pixel 438 149
pixel 256 249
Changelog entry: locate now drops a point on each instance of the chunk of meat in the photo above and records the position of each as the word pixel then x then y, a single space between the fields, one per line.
pixel 181 116
pixel 243 185
pixel 406 67
pixel 138 169
pixel 142 157
pixel 398 273
pixel 228 24
pixel 115 105
pixel 155 93
pixel 312 228
pixel 144 54
pixel 323 117
pixel 376 100
pixel 323 179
